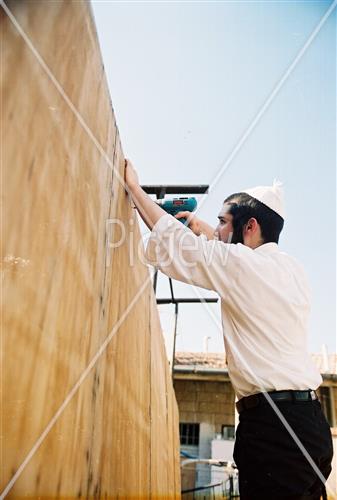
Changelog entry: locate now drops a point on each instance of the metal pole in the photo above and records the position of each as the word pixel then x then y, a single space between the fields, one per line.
pixel 231 487
pixel 176 310
pixel 171 289
pixel 155 277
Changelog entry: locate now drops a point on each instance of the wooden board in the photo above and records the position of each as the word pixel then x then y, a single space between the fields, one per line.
pixel 114 432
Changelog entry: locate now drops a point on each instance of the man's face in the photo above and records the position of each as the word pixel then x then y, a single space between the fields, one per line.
pixel 224 229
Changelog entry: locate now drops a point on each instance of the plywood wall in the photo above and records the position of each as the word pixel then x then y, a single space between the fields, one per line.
pixel 88 408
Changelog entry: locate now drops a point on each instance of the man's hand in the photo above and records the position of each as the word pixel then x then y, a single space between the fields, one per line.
pixel 130 175
pixel 192 221
pixel 149 211
pixel 197 225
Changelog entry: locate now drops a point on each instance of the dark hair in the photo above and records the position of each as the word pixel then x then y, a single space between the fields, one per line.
pixel 243 207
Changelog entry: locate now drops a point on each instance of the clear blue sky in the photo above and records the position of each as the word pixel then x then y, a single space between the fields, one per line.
pixel 186 80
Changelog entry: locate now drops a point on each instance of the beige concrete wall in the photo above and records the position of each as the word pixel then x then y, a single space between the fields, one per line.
pixel 210 402
pixel 334 392
pixel 107 416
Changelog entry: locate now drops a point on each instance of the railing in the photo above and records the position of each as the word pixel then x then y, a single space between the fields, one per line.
pixel 227 489
pixel 223 490
pixel 207 491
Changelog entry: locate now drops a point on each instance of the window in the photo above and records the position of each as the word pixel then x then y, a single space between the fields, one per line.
pixel 189 434
pixel 228 431
pixel 326 402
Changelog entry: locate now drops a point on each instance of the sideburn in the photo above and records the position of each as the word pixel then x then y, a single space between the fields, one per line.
pixel 237 234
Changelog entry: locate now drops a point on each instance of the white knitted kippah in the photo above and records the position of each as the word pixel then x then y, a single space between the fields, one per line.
pixel 272 196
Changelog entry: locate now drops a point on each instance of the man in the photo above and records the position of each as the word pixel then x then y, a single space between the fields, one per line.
pixel 283 446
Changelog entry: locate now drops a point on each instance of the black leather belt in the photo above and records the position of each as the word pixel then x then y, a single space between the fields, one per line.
pixel 256 399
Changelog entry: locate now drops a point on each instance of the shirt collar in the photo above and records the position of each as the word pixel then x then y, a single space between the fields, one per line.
pixel 267 248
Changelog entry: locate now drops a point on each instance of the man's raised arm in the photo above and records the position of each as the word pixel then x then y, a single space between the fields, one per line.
pixel 151 212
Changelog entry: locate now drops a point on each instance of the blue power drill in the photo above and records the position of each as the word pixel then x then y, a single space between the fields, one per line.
pixel 179 205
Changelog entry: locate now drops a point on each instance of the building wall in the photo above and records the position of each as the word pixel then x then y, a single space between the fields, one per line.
pixel 327 394
pixel 211 404
pixel 334 395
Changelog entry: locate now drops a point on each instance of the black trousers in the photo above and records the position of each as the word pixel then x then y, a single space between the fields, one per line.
pixel 271 465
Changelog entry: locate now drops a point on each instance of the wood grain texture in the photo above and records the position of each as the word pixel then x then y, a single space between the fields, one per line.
pixel 64 290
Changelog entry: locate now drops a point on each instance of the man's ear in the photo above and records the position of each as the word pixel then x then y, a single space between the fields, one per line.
pixel 252 225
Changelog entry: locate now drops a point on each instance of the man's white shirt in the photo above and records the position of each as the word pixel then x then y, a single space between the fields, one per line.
pixel 265 304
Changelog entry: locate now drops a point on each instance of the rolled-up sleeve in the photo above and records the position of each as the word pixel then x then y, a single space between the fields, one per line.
pixel 180 254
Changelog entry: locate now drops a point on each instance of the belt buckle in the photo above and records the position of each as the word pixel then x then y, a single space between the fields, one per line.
pixel 313 395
